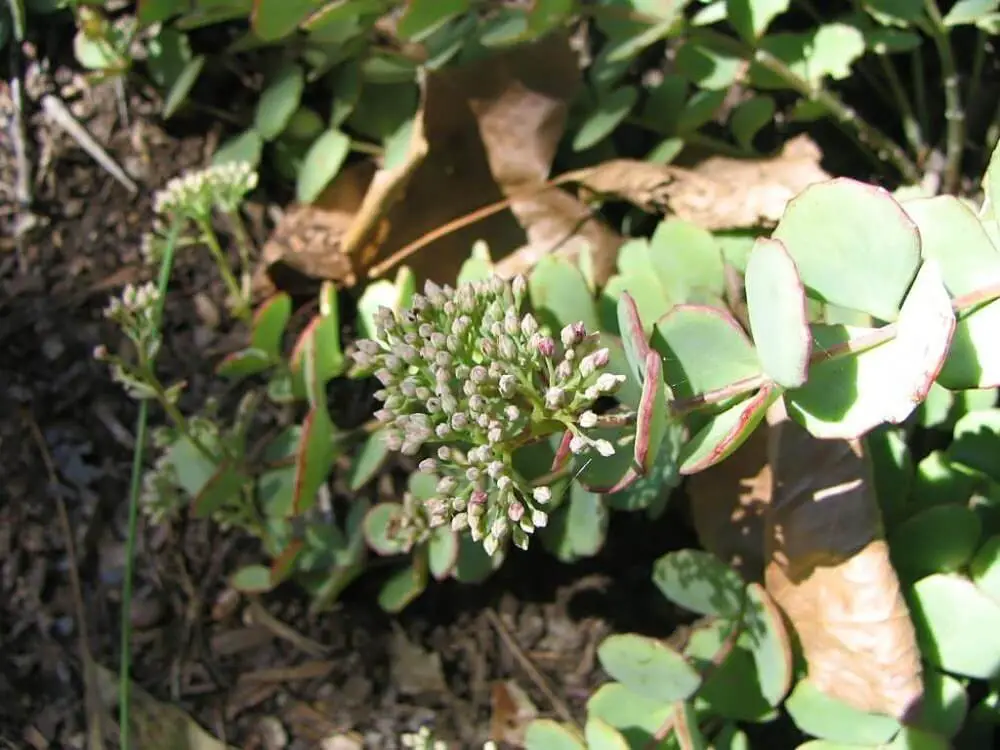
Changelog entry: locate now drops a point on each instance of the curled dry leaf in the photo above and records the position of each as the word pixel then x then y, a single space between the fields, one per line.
pixel 511 712
pixel 729 501
pixel 725 193
pixel 829 571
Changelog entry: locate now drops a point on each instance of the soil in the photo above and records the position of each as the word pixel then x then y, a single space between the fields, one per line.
pixel 258 674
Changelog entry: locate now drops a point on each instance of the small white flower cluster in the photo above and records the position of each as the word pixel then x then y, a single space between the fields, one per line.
pixel 196 194
pixel 135 312
pixel 422 739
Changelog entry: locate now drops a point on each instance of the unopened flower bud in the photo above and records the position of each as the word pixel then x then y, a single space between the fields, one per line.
pixel 588 419
pixel 605 448
pixel 546 346
pixel 577 445
pixel 542 495
pixel 515 512
pixel 539 518
pixel 512 413
pixel 529 326
pixel 555 397
pixel 460 521
pixel 442 430
pixel 608 382
pixel 507 385
pixel 573 334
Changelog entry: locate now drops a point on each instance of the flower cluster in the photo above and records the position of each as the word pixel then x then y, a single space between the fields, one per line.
pixel 196 194
pixel 462 368
pixel 135 312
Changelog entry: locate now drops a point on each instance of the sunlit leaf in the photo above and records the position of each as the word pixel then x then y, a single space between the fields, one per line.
pixel 700 582
pixel 821 716
pixel 725 432
pixel 648 667
pixel 546 734
pixel 368 460
pixel 314 459
pixel 278 101
pixel 636 716
pixel 321 164
pixel 752 17
pixel 245 147
pixel 749 117
pixel 940 539
pixel 609 112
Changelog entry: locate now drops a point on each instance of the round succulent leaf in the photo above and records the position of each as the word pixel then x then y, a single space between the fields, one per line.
pixel 970 12
pixel 602 736
pixel 377 523
pixel 560 296
pixel 252 579
pixel 314 459
pixel 611 109
pixel 422 17
pixel 770 644
pixel 726 432
pixel 278 101
pixel 973 360
pixel 181 86
pixel 688 261
pixel 244 363
pixel 245 147
pixel 984 569
pixel 477 267
pixel 442 552
pixel 634 339
pixel 403 587
pixel 731 691
pixel 892 470
pixel 648 667
pixel 711 69
pixel 976 443
pixel 956 624
pixel 368 460
pixel 272 20
pixel 639 278
pixel 653 415
pixel 952 234
pixel 473 564
pixel 699 110
pixel 546 734
pixel 939 539
pixel 269 323
pixel 602 476
pixel 395 295
pixel 636 716
pixel 991 186
pixel 630 391
pixel 700 582
pixel 703 349
pixel 944 705
pixel 749 117
pixel 577 529
pixel 776 303
pixel 651 492
pixel 867 263
pixel 321 164
pixel 818 715
pixel 939 480
pixel 752 17
pixel 830 50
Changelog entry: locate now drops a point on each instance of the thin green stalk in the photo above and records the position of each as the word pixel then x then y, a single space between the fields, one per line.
pixel 245 245
pixel 954 114
pixel 124 683
pixel 919 79
pixel 911 126
pixel 241 309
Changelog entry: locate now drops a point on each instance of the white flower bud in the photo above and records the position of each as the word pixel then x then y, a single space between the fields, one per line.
pixel 577 444
pixel 605 448
pixel 588 419
pixel 539 518
pixel 542 495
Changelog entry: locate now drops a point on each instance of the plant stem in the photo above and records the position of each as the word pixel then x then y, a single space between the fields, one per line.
pixel 911 126
pixel 917 73
pixel 241 310
pixel 954 114
pixel 135 485
pixel 245 245
pixel 849 121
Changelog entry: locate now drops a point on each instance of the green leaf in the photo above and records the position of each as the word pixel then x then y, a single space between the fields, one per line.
pixel 559 294
pixel 627 48
pixel 578 528
pixel 703 348
pixel 244 363
pixel 829 50
pixel 892 469
pixel 608 114
pixel 321 164
pixel 711 69
pixel 977 443
pixel 637 717
pixel 903 12
pixel 269 323
pixel 395 295
pixel 639 278
pixel 752 17
pixel 956 624
pixel 733 689
pixel 313 460
pixel 477 267
pixel 422 17
pixel 648 667
pixel 776 304
pixel 442 552
pixel 474 565
pixel 223 486
pixel 865 264
pixel 245 147
pixel 688 262
pixel 984 569
pixel 193 468
pixel 181 86
pixel 653 415
pixel 377 524
pixel 944 705
pixel 546 734
pixel 274 19
pixel 635 341
pixel 700 582
pixel 821 716
pixel 252 579
pixel 966 12
pixel 279 101
pixel 749 117
pixel 699 110
pixel 974 359
pixel 368 460
pixel 770 644
pixel 602 736
pixel 402 588
pixel 651 492
pixel 725 432
pixel 881 384
pixel 939 539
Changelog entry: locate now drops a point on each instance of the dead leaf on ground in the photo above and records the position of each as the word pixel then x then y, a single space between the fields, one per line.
pixel 830 573
pixel 156 724
pixel 414 670
pixel 511 712
pixel 720 192
pixel 728 504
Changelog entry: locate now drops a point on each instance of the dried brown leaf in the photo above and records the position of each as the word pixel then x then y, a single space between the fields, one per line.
pixel 829 571
pixel 729 501
pixel 641 183
pixel 511 712
pixel 156 724
pixel 725 193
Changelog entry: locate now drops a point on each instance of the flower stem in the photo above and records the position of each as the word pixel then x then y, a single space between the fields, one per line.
pixel 245 245
pixel 954 114
pixel 240 309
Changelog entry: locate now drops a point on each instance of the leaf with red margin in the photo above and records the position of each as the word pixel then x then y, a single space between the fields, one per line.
pixel 269 323
pixel 313 460
pixel 634 339
pixel 226 483
pixel 562 452
pixel 244 363
pixel 653 416
pixel 726 432
pixel 284 564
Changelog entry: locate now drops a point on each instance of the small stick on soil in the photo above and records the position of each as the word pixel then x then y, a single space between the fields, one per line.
pixel 95 728
pixel 61 116
pixel 558 704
